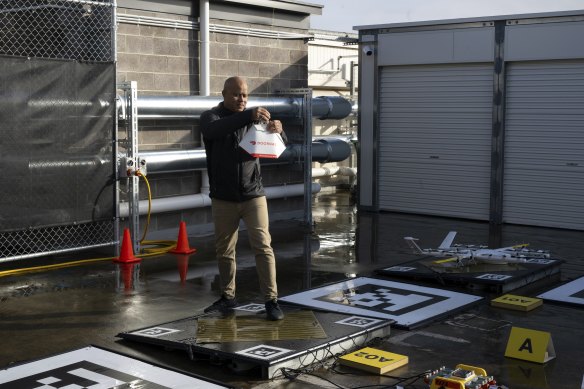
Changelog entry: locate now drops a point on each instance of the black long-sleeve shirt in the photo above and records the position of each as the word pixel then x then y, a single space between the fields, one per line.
pixel 234 175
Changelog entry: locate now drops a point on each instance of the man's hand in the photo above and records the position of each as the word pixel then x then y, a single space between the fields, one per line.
pixel 260 115
pixel 275 126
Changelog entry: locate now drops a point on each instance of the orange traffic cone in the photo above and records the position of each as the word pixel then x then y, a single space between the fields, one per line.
pixel 182 244
pixel 182 262
pixel 127 270
pixel 127 253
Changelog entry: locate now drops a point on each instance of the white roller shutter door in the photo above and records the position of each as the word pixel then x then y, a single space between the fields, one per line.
pixel 435 139
pixel 544 144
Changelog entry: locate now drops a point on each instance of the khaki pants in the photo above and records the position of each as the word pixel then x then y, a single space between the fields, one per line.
pixel 254 213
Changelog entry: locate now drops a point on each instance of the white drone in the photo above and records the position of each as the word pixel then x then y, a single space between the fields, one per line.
pixel 466 255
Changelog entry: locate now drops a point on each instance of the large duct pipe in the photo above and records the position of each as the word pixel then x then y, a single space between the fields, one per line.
pixel 191 107
pixel 179 203
pixel 174 161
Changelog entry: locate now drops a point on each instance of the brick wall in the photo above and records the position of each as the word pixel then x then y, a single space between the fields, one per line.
pixel 268 64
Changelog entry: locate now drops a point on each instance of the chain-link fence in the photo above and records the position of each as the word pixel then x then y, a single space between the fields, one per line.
pixel 63 29
pixel 57 104
pixel 42 241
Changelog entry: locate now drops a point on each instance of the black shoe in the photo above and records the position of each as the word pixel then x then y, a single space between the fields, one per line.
pixel 223 304
pixel 273 310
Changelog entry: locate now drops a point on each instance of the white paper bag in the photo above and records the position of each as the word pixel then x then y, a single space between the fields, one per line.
pixel 260 143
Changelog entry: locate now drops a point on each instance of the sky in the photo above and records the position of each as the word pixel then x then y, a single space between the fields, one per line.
pixel 343 15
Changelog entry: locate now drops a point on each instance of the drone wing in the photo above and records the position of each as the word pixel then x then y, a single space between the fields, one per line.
pixel 445 260
pixel 447 242
pixel 520 250
pixel 513 248
pixel 457 258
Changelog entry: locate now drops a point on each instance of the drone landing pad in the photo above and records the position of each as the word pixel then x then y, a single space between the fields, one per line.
pixel 94 367
pixel 244 338
pixel 407 305
pixel 500 278
pixel 571 293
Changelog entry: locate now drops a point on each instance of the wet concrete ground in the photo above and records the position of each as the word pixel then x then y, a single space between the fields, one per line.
pixel 46 313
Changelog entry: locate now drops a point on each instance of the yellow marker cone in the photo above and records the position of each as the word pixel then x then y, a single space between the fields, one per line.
pixel 518 303
pixel 530 345
pixel 374 360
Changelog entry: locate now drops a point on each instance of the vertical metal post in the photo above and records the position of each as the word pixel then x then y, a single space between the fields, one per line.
pixel 116 185
pixel 352 79
pixel 204 73
pixel 204 56
pixel 114 32
pixel 115 149
pixel 307 284
pixel 134 199
pixel 131 159
pixel 498 131
pixel 307 115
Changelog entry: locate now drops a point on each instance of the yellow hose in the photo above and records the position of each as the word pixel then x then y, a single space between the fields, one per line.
pixel 149 252
pixel 139 174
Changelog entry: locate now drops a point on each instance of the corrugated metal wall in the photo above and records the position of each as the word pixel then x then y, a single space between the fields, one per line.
pixel 329 65
pixel 544 144
pixel 479 119
pixel 435 139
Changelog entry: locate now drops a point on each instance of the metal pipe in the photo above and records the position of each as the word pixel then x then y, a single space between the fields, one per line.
pixel 256 32
pixel 175 161
pixel 329 149
pixel 57 251
pixel 205 73
pixel 191 107
pixel 205 64
pixel 178 203
pixel 323 171
pixel 352 78
pixel 344 56
pixel 40 7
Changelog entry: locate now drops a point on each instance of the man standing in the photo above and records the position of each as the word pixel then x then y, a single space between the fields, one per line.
pixel 237 193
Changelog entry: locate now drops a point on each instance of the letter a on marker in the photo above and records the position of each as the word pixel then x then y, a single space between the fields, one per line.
pixel 526 346
pixel 530 345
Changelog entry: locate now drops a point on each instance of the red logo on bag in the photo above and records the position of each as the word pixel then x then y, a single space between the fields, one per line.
pixel 253 142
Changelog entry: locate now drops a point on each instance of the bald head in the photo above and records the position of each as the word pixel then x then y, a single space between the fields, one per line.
pixel 233 82
pixel 235 94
